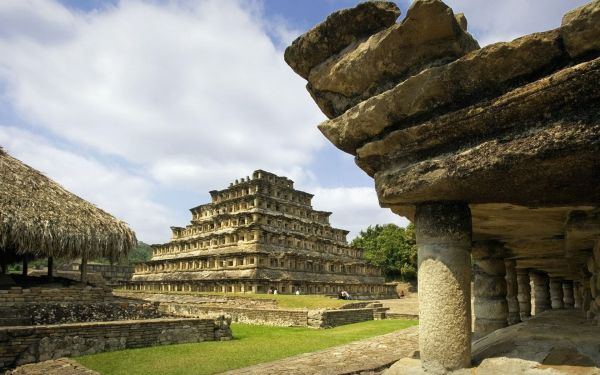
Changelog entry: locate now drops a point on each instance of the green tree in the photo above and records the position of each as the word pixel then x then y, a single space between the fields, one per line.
pixel 392 248
pixel 141 253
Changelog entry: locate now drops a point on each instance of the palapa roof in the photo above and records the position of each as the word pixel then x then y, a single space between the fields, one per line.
pixel 41 218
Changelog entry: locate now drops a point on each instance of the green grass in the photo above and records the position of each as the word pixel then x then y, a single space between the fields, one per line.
pixel 251 345
pixel 284 301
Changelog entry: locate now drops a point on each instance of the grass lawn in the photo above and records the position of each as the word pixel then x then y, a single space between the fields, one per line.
pixel 252 344
pixel 284 301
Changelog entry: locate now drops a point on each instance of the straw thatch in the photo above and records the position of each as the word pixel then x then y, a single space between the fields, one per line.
pixel 38 217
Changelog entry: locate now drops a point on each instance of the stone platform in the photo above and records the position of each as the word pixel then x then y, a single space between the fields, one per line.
pixel 365 356
pixel 61 366
pixel 554 342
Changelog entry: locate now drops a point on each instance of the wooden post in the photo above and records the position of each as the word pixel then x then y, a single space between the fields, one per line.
pixel 50 269
pixel 25 266
pixel 83 268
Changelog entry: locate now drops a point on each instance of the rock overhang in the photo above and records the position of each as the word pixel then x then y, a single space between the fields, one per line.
pixel 513 128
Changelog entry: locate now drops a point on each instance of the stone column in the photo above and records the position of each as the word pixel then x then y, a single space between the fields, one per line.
pixel 512 291
pixel 577 295
pixel 443 233
pixel 568 295
pixel 541 293
pixel 556 293
pixel 489 287
pixel 524 293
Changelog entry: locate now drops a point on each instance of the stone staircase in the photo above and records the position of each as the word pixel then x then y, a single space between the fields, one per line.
pixel 379 312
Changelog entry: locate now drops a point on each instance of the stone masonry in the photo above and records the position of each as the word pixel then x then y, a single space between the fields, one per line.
pixel 28 344
pixel 498 145
pixel 259 234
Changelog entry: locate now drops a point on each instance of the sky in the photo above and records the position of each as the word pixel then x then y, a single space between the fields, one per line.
pixel 143 106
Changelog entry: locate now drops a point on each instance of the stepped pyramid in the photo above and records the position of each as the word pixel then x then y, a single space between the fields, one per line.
pixel 259 234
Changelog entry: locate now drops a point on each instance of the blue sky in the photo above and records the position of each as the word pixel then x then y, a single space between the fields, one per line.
pixel 142 107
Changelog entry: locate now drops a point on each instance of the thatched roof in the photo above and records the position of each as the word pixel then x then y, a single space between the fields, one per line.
pixel 41 218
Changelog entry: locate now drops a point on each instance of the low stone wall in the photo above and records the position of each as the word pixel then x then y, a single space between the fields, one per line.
pixel 21 345
pixel 113 275
pixel 286 318
pixel 334 318
pixel 62 313
pixel 36 306
pixel 357 305
pixel 183 297
pixel 78 294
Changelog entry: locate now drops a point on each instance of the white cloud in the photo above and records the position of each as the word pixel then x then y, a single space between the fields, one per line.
pixel 354 209
pixel 184 89
pixel 111 188
pixel 498 21
pixel 158 98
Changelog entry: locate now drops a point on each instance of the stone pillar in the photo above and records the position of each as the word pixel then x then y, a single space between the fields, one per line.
pixel 556 293
pixel 541 293
pixel 524 293
pixel 443 233
pixel 512 291
pixel 586 294
pixel 577 295
pixel 568 295
pixel 489 287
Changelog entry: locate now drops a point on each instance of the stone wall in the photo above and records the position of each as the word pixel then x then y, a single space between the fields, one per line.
pixel 21 345
pixel 71 294
pixel 334 318
pixel 36 306
pixel 62 313
pixel 113 275
pixel 273 317
pixel 183 297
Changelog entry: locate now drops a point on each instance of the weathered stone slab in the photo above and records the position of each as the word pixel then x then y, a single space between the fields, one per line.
pixel 564 91
pixel 481 74
pixel 548 161
pixel 430 35
pixel 338 31
pixel 580 29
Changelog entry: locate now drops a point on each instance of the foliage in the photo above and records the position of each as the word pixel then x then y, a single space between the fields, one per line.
pixel 251 345
pixel 392 248
pixel 141 253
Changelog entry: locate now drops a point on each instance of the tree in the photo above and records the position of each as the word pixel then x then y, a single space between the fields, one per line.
pixel 141 253
pixel 392 248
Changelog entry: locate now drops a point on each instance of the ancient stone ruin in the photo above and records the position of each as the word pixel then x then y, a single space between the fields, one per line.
pixel 493 153
pixel 256 235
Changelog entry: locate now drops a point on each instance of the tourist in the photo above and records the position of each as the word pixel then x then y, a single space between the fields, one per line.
pixel 297 292
pixel 270 291
pixel 275 291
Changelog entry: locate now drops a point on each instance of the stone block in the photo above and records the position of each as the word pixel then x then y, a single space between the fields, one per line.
pixel 338 31
pixel 580 29
pixel 429 36
pixel 468 79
